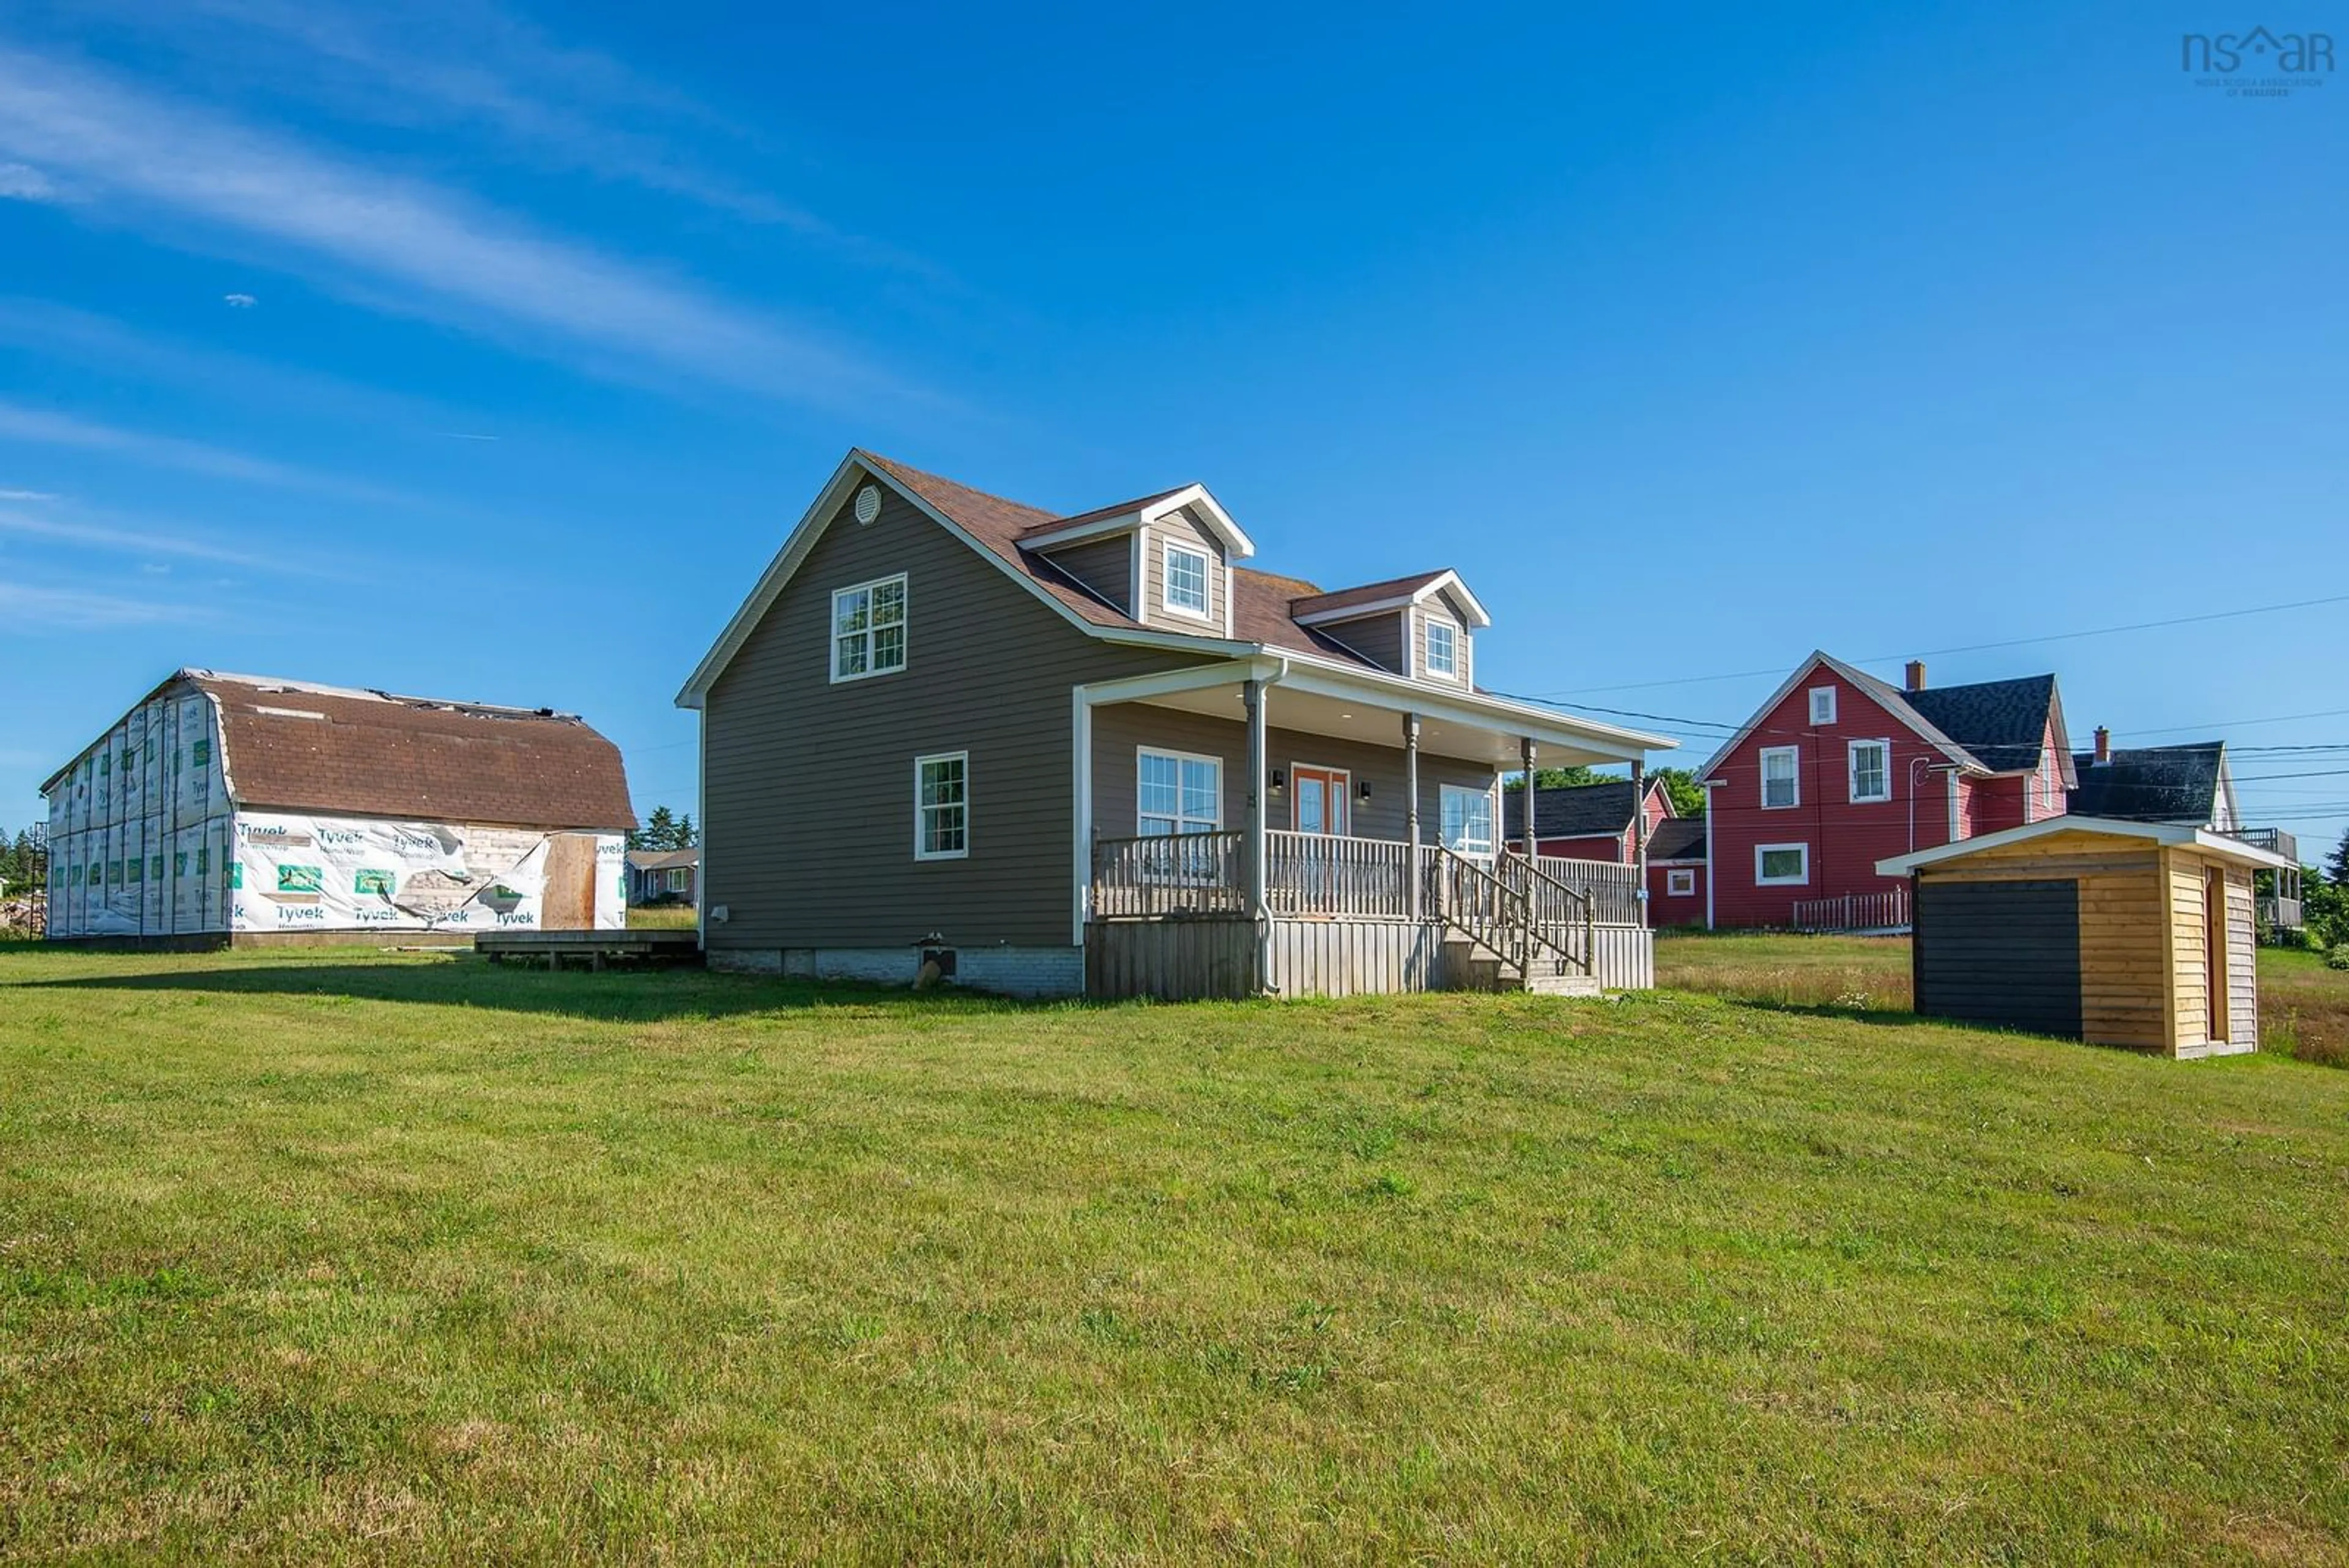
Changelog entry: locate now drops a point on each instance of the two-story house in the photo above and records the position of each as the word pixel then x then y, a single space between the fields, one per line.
pixel 1048 752
pixel 1838 770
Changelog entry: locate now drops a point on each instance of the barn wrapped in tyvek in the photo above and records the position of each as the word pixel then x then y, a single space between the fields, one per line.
pixel 243 807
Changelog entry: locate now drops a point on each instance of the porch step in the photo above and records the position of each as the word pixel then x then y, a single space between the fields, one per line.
pixel 1476 967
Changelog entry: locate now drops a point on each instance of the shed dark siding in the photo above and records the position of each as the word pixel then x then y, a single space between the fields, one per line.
pixel 809 788
pixel 2001 953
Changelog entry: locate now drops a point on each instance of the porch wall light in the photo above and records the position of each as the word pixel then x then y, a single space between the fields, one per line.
pixel 1279 781
pixel 1363 789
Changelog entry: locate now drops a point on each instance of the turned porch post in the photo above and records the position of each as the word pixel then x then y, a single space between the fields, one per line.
pixel 1411 810
pixel 1639 833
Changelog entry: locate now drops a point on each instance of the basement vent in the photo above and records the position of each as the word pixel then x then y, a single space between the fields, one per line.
pixel 868 504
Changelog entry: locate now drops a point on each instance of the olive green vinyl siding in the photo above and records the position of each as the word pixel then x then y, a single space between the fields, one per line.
pixel 809 785
pixel 1179 527
pixel 1119 730
pixel 1377 637
pixel 1419 653
pixel 1104 565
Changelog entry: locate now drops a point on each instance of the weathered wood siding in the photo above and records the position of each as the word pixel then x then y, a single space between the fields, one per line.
pixel 1104 565
pixel 1354 958
pixel 1120 729
pixel 1626 958
pixel 808 801
pixel 1173 960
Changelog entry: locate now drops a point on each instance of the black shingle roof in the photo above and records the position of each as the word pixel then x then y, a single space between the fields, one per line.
pixel 1677 838
pixel 2151 784
pixel 2003 723
pixel 1571 811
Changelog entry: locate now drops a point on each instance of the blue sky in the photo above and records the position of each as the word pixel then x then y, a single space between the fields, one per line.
pixel 490 354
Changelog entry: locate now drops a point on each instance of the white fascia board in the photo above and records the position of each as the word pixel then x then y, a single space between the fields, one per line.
pixel 1076 533
pixel 2168 835
pixel 1403 695
pixel 1472 610
pixel 1237 544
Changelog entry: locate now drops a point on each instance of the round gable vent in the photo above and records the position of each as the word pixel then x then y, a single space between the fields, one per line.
pixel 868 504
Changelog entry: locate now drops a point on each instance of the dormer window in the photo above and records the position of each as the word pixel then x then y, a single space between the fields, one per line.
pixel 1443 649
pixel 1823 704
pixel 1186 581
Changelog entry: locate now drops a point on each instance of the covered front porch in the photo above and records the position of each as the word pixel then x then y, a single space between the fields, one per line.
pixel 1276 826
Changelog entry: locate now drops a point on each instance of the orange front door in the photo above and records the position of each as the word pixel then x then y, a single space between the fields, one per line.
pixel 1320 796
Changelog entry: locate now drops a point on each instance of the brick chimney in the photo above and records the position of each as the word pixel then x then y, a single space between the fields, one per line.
pixel 2104 745
pixel 1915 675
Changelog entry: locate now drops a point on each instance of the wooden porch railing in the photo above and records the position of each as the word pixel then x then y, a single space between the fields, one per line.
pixel 1853 911
pixel 1170 874
pixel 1319 874
pixel 1613 889
pixel 1521 914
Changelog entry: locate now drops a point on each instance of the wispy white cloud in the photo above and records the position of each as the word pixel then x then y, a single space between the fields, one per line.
pixel 41 427
pixel 24 495
pixel 23 606
pixel 441 254
pixel 112 536
pixel 23 183
pixel 239 301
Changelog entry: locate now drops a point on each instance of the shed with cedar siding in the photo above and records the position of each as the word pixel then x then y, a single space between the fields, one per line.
pixel 2117 932
pixel 247 808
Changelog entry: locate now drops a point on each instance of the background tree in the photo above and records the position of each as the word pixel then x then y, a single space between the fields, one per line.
pixel 659 831
pixel 2336 870
pixel 1680 789
pixel 687 835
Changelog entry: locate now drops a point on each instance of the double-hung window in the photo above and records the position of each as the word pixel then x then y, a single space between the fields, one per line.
pixel 1186 581
pixel 1465 818
pixel 1781 776
pixel 1871 771
pixel 868 628
pixel 1443 649
pixel 1823 704
pixel 1177 792
pixel 942 806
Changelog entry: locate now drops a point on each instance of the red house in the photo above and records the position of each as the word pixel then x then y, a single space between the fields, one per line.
pixel 1593 822
pixel 1839 770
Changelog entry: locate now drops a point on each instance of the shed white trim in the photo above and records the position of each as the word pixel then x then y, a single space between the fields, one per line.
pixel 2218 846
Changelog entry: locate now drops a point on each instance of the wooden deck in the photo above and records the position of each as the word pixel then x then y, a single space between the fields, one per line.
pixel 1169 917
pixel 594 949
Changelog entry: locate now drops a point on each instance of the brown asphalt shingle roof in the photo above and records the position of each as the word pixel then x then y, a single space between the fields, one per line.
pixel 1367 594
pixel 301 748
pixel 1264 607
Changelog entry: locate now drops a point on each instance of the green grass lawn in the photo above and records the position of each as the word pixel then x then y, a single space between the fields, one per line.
pixel 328 1256
pixel 2303 1006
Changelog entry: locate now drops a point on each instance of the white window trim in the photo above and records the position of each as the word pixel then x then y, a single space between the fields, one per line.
pixel 1680 884
pixel 1851 772
pixel 1492 796
pixel 1166 552
pixel 1816 693
pixel 920 839
pixel 1427 641
pixel 1796 753
pixel 1800 880
pixel 679 879
pixel 832 630
pixel 1215 761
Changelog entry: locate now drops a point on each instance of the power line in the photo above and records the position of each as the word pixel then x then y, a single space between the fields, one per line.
pixel 1983 647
